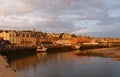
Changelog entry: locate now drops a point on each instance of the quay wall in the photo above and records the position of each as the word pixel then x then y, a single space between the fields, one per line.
pixel 58 48
pixel 16 51
pixel 82 47
pixel 5 69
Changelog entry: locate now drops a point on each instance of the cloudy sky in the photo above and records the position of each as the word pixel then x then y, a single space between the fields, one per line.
pixel 84 17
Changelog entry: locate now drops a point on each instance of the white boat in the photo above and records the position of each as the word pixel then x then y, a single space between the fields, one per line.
pixel 41 48
pixel 76 47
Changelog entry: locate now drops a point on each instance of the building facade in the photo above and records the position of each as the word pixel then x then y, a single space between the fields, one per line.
pixel 19 38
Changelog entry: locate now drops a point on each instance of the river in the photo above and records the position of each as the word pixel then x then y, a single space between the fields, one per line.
pixel 65 64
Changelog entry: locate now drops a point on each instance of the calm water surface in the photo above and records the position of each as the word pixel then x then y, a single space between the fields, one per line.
pixel 65 65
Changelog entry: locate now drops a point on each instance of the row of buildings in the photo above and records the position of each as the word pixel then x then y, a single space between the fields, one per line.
pixel 32 38
pixel 19 38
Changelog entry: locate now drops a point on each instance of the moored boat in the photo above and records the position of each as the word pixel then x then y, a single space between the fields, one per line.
pixel 41 48
pixel 76 47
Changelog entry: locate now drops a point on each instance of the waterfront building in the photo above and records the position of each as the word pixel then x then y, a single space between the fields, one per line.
pixel 25 38
pixel 19 38
pixel 64 42
pixel 107 40
pixel 8 35
pixel 66 36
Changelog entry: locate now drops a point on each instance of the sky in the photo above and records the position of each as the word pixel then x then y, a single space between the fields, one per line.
pixel 100 18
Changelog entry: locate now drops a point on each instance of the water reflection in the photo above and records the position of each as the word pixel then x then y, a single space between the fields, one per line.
pixel 66 64
pixel 25 62
pixel 41 57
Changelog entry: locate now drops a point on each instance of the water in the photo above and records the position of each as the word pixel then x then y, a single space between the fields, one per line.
pixel 65 64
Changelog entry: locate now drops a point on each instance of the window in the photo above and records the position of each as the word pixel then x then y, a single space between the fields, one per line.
pixel 23 35
pixel 27 35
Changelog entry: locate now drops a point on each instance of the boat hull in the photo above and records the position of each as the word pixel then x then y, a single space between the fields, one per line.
pixel 76 47
pixel 41 50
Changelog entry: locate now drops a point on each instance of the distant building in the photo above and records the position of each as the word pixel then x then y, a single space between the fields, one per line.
pixel 8 35
pixel 107 40
pixel 66 36
pixel 25 38
pixel 20 38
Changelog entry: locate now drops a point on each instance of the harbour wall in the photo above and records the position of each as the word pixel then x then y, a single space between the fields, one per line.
pixel 5 69
pixel 58 48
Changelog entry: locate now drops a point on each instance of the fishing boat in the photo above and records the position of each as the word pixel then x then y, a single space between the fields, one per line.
pixel 41 48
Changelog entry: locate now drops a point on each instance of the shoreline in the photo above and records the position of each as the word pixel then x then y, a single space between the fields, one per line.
pixel 58 48
pixel 5 69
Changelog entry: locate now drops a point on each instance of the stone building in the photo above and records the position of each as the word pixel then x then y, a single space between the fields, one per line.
pixel 19 38
pixel 66 36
